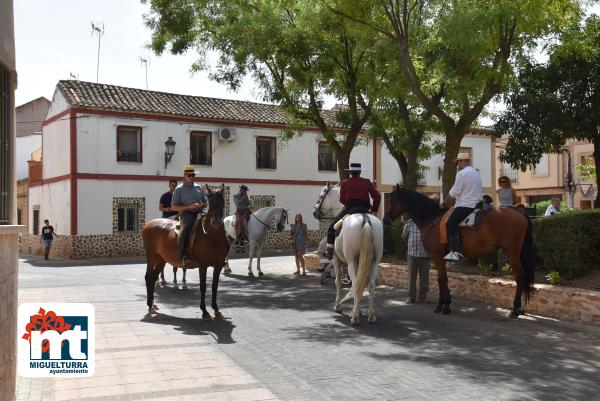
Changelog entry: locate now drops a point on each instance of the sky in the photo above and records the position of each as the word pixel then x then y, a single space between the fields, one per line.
pixel 54 39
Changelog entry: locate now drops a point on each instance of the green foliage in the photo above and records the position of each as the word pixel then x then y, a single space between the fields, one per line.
pixel 569 243
pixel 540 207
pixel 587 170
pixel 553 277
pixel 506 269
pixel 393 242
pixel 485 268
pixel 432 266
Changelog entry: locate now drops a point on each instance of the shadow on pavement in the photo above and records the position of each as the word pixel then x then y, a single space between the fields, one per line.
pixel 220 329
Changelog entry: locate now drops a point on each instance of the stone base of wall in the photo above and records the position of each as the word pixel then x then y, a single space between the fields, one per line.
pixel 566 303
pixel 99 246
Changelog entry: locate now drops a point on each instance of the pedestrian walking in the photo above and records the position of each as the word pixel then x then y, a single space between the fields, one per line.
pixel 299 237
pixel 47 237
pixel 418 263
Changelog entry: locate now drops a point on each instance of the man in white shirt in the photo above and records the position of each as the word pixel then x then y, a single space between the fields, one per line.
pixel 465 194
pixel 553 207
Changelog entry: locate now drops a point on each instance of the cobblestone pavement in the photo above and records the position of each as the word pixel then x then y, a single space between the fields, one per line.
pixel 281 340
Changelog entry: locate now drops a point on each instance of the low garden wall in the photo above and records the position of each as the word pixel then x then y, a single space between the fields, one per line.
pixel 559 302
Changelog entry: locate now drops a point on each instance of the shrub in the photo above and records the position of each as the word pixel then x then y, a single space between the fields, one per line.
pixel 553 277
pixel 392 240
pixel 506 269
pixel 569 243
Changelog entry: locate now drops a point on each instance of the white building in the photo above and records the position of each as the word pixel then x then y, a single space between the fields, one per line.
pixel 104 161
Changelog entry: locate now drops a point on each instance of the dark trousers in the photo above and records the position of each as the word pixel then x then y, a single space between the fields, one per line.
pixel 458 215
pixel 351 208
pixel 187 222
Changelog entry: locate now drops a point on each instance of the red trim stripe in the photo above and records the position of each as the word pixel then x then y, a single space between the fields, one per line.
pixel 56 117
pixel 73 175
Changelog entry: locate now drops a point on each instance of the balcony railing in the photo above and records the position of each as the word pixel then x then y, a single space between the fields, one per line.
pixel 510 173
pixel 129 156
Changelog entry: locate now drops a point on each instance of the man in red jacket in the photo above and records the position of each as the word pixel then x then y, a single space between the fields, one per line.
pixel 354 195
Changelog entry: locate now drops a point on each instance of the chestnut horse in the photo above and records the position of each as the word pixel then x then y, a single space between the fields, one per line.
pixel 505 227
pixel 209 247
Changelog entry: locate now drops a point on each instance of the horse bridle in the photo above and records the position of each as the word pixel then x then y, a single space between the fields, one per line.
pixel 318 214
pixel 279 225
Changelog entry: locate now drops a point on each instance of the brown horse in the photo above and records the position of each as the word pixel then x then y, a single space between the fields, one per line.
pixel 506 228
pixel 208 246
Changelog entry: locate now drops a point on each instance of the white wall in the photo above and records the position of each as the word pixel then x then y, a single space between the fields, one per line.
pixel 35 199
pixel 95 200
pixel 56 149
pixel 56 206
pixel 296 159
pixel 59 104
pixel 25 146
pixel 481 154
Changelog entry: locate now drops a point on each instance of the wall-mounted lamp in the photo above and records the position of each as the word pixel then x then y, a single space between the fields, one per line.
pixel 169 150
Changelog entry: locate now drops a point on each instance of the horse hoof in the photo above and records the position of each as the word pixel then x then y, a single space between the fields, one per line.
pixel 227 270
pixel 372 319
pixel 338 310
pixel 250 274
pixel 446 310
pixel 183 281
pixel 164 282
pixel 261 274
pixel 437 309
pixel 513 315
pixel 206 316
pixel 174 281
pixel 355 321
pixel 219 315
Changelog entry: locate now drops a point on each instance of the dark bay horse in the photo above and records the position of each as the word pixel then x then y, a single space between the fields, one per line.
pixel 506 228
pixel 209 247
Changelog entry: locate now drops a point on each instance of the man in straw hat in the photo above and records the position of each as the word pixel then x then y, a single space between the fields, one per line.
pixel 354 195
pixel 464 195
pixel 189 200
pixel 242 208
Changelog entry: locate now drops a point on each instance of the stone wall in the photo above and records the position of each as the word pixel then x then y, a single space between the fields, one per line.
pixel 568 303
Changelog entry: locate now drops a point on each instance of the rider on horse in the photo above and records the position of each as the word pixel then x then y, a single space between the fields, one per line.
pixel 464 195
pixel 189 200
pixel 354 195
pixel 242 209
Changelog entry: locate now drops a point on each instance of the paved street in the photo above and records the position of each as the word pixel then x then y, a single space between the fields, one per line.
pixel 281 340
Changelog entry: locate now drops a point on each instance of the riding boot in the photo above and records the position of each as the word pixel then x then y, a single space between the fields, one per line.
pixel 329 251
pixel 455 253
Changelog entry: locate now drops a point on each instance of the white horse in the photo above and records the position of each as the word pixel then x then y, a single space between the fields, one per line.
pixel 359 246
pixel 258 226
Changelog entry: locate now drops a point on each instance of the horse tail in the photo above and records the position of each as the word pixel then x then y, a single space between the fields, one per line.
pixel 365 259
pixel 528 259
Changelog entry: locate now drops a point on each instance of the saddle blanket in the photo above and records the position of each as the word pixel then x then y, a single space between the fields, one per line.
pixel 471 221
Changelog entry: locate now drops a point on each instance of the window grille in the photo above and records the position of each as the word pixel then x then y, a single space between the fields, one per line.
pixel 128 217
pixel 201 148
pixel 129 144
pixel 327 157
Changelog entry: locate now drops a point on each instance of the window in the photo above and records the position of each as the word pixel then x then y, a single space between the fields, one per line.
pixel 266 152
pixel 127 218
pixel 36 220
pixel 128 215
pixel 541 169
pixel 259 201
pixel 327 157
pixel 201 148
pixel 129 144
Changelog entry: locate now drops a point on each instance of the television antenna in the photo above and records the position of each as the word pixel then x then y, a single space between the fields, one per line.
pixel 98 29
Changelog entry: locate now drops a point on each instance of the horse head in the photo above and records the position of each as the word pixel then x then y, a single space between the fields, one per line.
pixel 283 220
pixel 417 205
pixel 216 203
pixel 328 200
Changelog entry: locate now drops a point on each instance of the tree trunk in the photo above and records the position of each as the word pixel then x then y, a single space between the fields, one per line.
pixel 343 162
pixel 596 143
pixel 411 178
pixel 452 148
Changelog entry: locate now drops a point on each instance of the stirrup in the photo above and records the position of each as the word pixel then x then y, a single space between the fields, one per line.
pixel 453 255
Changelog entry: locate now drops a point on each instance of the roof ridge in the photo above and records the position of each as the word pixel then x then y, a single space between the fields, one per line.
pixel 63 81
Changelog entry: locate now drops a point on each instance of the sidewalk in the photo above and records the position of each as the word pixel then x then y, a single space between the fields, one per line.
pixel 170 356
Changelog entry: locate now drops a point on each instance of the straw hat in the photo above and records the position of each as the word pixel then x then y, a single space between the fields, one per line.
pixel 188 169
pixel 462 156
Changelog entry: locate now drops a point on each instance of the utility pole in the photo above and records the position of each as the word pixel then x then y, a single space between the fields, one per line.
pixel 145 62
pixel 99 30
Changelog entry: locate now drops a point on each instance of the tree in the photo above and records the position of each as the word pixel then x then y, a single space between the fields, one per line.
pixel 297 51
pixel 556 101
pixel 467 47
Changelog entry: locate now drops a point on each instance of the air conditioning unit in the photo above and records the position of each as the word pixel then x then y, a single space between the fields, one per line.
pixel 226 134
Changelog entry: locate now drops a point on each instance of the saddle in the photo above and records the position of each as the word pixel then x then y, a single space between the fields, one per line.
pixel 192 237
pixel 472 221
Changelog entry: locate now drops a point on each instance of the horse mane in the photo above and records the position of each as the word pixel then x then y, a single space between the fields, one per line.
pixel 416 204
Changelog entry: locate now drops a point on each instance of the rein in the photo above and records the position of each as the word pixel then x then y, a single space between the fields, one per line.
pixel 321 199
